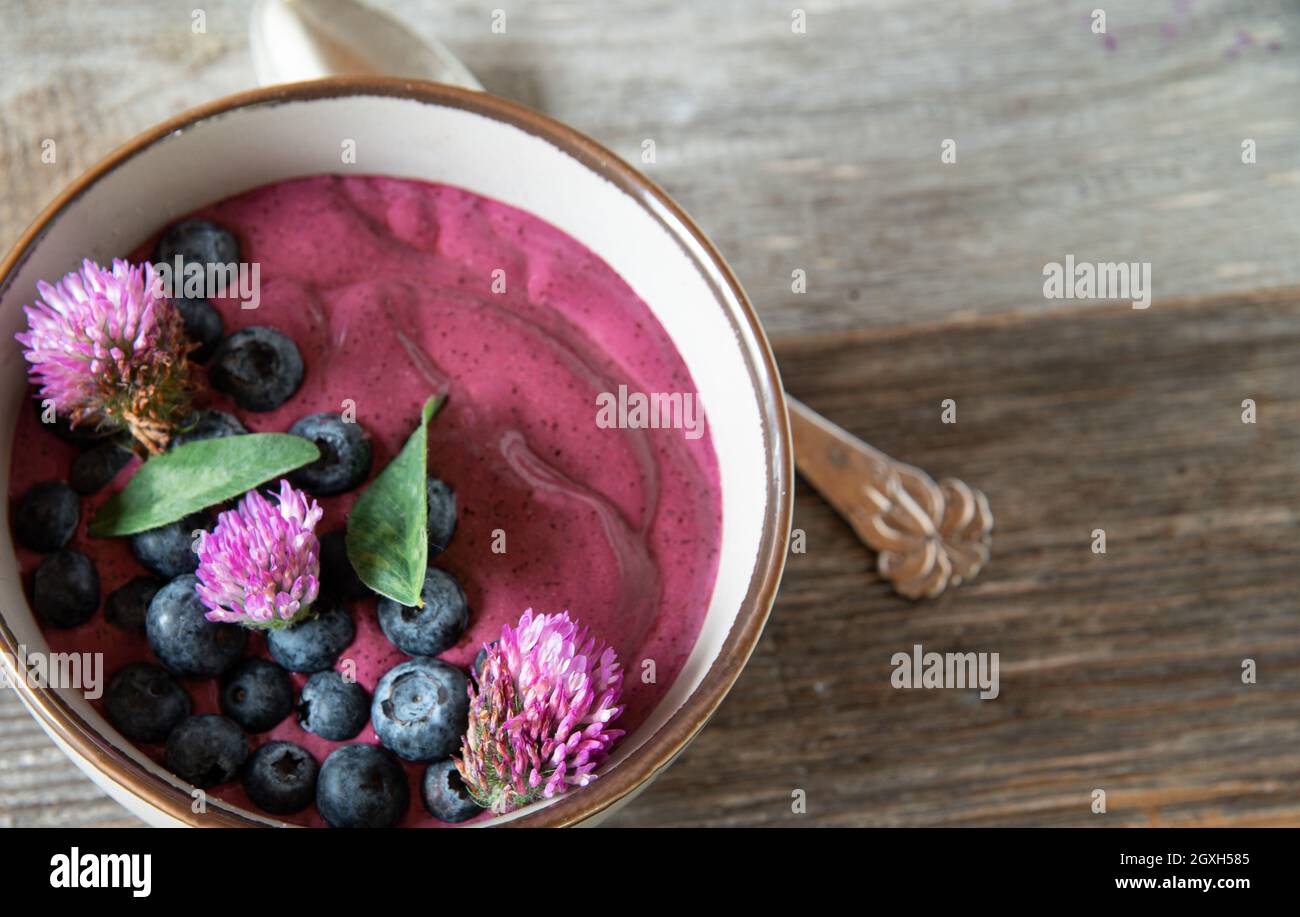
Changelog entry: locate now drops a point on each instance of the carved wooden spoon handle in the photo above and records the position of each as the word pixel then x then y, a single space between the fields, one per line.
pixel 926 536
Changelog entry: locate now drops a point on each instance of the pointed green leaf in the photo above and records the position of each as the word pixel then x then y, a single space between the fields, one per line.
pixel 197 475
pixel 388 540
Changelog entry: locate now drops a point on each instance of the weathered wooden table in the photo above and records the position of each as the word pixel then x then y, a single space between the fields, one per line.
pixel 821 151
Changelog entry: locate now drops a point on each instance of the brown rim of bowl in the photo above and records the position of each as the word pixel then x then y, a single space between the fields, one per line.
pixel 657 751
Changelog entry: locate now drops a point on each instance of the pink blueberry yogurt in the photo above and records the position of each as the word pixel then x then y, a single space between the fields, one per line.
pixel 387 287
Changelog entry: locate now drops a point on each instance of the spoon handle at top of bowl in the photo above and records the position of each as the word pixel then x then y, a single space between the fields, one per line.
pixel 927 536
pixel 292 40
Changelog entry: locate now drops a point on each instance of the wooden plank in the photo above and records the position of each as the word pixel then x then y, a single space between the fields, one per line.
pixel 819 151
pixel 1120 672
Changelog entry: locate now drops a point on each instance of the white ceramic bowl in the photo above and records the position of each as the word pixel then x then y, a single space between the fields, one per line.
pixel 494 148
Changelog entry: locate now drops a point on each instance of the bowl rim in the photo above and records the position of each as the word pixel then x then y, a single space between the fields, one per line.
pixel 659 749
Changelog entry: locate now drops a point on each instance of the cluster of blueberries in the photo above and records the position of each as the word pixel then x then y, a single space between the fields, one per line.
pixel 419 707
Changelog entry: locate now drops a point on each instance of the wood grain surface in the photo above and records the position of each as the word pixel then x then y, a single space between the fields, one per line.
pixel 1119 672
pixel 820 152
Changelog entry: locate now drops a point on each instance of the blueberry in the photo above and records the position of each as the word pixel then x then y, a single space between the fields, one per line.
pixel 361 786
pixel 479 659
pixel 432 629
pixel 198 241
pixel 97 466
pixel 127 605
pixel 442 515
pixel 333 708
pixel 168 551
pixel 445 795
pixel 256 694
pixel 344 454
pixel 183 639
pixel 259 367
pixel 65 591
pixel 203 326
pixel 420 709
pixel 144 702
pixel 83 434
pixel 337 576
pixel 280 778
pixel 47 516
pixel 206 750
pixel 314 644
pixel 207 424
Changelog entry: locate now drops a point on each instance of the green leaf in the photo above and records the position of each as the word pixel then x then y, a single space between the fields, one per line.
pixel 388 540
pixel 197 475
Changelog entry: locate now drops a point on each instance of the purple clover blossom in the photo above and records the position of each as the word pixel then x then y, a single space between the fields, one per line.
pixel 260 566
pixel 107 348
pixel 539 721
